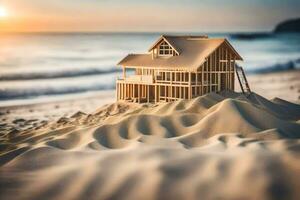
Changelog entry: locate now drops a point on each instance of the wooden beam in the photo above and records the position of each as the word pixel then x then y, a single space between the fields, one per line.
pixel 202 83
pixel 196 92
pixel 124 73
pixel 190 83
pixel 159 91
pixel 227 79
pixel 180 92
pixel 155 93
pixel 166 93
pixel 139 94
pixel 148 93
pixel 210 74
pixel 234 74
pixel 230 79
pixel 117 91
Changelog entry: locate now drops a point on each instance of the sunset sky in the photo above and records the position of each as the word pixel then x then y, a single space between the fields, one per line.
pixel 138 15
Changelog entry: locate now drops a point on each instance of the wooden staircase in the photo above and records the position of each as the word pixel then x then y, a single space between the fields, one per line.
pixel 242 80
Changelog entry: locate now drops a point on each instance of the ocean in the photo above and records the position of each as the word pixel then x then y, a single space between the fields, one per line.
pixel 37 66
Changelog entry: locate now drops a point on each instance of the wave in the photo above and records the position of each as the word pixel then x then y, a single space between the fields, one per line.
pixel 31 93
pixel 261 35
pixel 250 36
pixel 57 74
pixel 104 56
pixel 278 67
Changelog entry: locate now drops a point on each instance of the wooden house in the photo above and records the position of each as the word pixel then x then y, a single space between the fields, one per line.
pixel 178 67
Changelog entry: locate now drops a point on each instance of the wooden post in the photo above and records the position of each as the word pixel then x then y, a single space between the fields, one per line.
pixel 155 95
pixel 127 88
pixel 219 82
pixel 197 87
pixel 117 91
pixel 130 91
pixel 165 93
pixel 180 92
pixel 148 93
pixel 139 94
pixel 122 89
pixel 159 93
pixel 202 82
pixel 190 83
pixel 230 80
pixel 215 71
pixel 175 92
pixel 226 68
pixel 124 73
pixel 142 91
pixel 210 74
pixel 234 73
pixel 126 91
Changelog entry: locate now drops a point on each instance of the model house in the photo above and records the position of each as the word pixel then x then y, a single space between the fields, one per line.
pixel 178 67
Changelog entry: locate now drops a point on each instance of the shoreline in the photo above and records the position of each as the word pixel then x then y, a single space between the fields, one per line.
pixel 24 116
pixel 276 75
pixel 56 98
pixel 284 85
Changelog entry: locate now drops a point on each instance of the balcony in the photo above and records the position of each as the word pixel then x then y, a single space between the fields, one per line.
pixel 146 79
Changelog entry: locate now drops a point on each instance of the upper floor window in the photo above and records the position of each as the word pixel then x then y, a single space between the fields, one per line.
pixel 165 49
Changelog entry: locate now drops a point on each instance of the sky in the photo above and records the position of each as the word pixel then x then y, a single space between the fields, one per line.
pixel 145 15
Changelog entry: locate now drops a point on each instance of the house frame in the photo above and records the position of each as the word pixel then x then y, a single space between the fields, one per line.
pixel 178 67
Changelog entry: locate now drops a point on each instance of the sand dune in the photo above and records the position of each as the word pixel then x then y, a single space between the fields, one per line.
pixel 218 146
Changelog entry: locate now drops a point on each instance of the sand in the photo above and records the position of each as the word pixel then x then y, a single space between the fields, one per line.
pixel 217 146
pixel 29 114
pixel 284 85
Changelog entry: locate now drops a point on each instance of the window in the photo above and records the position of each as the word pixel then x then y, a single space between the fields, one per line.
pixel 165 49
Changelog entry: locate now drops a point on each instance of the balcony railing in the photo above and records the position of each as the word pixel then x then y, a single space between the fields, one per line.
pixel 149 79
pixel 139 79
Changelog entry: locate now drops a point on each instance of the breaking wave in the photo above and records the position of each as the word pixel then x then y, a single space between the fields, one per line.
pixel 56 74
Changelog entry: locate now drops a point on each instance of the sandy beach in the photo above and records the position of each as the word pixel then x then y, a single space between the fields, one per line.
pixel 149 100
pixel 217 146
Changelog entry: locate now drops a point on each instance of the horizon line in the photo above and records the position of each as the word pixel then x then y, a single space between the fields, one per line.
pixel 129 32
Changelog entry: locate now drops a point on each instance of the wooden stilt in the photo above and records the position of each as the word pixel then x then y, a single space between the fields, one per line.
pixel 139 94
pixel 148 93
pixel 155 94
pixel 190 87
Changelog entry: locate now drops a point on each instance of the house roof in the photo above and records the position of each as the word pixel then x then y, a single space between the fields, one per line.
pixel 192 51
pixel 169 40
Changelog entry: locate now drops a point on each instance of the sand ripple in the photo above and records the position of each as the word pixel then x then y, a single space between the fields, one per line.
pixel 218 146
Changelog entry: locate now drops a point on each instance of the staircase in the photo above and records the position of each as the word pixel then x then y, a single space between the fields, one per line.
pixel 242 80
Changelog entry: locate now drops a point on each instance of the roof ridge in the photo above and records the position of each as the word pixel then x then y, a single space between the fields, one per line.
pixel 186 36
pixel 138 53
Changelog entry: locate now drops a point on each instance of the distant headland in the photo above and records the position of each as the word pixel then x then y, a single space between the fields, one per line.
pixel 288 26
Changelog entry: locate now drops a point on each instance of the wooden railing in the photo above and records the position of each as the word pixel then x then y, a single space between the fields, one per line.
pixel 138 79
pixel 149 79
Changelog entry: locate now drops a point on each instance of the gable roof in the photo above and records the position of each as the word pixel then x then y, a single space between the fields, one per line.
pixel 168 40
pixel 193 52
